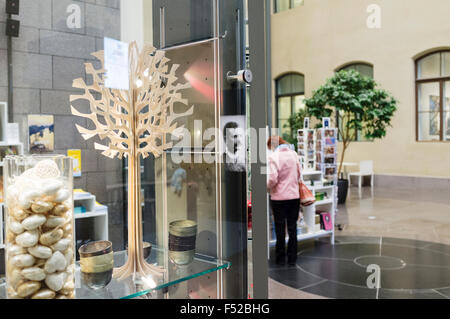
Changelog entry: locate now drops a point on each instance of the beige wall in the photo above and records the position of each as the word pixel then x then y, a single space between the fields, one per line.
pixel 322 35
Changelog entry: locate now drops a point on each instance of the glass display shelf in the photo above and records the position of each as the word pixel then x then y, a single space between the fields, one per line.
pixel 150 287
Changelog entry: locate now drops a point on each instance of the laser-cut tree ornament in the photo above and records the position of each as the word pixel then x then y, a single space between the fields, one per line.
pixel 134 123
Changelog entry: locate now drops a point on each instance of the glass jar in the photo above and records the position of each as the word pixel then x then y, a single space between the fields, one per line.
pixel 40 257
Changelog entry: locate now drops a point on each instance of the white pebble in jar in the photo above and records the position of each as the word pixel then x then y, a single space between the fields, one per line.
pixel 28 239
pixel 34 222
pixel 41 252
pixel 56 263
pixel 39 233
pixel 62 195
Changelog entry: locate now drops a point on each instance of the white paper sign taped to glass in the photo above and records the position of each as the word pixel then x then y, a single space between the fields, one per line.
pixel 116 64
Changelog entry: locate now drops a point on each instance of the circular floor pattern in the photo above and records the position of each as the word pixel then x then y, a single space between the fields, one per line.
pixel 408 268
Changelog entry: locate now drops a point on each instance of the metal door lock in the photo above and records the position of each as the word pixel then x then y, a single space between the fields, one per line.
pixel 243 76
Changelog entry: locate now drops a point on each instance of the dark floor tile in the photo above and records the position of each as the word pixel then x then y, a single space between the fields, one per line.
pixel 341 271
pixel 408 294
pixel 445 249
pixel 293 277
pixel 416 277
pixel 357 239
pixel 416 256
pixel 405 242
pixel 339 291
pixel 348 251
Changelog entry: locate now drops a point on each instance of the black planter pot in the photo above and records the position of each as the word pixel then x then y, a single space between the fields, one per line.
pixel 342 191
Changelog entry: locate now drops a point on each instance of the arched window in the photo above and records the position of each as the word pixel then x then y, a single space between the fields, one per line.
pixel 433 97
pixel 290 98
pixel 282 5
pixel 364 69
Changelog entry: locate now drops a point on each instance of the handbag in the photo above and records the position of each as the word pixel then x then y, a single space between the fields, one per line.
pixel 306 196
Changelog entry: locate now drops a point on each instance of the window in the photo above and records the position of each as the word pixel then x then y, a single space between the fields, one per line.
pixel 364 69
pixel 433 97
pixel 283 5
pixel 290 98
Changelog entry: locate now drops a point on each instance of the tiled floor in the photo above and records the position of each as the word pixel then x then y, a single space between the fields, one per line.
pixel 397 213
pixel 404 231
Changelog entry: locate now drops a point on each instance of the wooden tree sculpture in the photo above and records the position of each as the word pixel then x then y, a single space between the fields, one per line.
pixel 135 123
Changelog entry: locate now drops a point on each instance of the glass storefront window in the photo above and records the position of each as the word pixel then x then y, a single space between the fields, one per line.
pixel 433 75
pixel 429 111
pixel 429 67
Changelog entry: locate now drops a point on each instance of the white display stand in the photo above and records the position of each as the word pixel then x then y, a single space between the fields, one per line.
pixel 317 152
pixel 98 215
pixel 307 149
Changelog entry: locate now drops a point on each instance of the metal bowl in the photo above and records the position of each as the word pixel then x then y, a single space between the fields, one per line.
pixel 97 264
pixel 182 237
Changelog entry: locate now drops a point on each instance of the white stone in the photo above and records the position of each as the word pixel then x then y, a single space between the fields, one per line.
pixel 62 245
pixel 15 277
pixel 28 288
pixel 55 281
pixel 56 263
pixel 69 256
pixel 44 294
pixel 34 274
pixel 55 221
pixel 33 222
pixel 51 237
pixel 15 227
pixel 22 261
pixel 41 252
pixel 28 239
pixel 26 198
pixel 15 250
pixel 51 187
pixel 62 195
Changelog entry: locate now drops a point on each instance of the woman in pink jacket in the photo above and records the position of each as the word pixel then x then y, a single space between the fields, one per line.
pixel 283 185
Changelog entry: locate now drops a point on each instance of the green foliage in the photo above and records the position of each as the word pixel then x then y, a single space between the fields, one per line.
pixel 295 123
pixel 359 102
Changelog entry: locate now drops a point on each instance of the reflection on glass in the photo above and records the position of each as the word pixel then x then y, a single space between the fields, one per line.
pixel 429 67
pixel 446 64
pixel 299 103
pixel 291 84
pixel 282 5
pixel 429 111
pixel 447 107
pixel 284 108
pixel 363 69
pixel 191 195
pixel 429 126
pixel 447 126
pixel 196 68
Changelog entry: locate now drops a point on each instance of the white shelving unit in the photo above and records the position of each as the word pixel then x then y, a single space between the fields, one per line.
pixel 307 149
pixel 309 213
pixel 98 217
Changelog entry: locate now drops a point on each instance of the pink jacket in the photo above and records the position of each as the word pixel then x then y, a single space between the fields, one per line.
pixel 284 175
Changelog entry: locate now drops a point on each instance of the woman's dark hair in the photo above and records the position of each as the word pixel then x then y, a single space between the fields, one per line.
pixel 275 141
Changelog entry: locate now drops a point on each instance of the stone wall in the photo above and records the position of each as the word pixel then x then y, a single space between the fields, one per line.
pixel 47 57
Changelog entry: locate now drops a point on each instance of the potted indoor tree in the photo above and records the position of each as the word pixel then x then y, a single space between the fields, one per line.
pixel 359 104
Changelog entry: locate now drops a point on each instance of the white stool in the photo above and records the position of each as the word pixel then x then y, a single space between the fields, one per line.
pixel 365 169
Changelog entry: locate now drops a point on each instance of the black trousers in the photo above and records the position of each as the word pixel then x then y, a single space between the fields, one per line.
pixel 286 212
